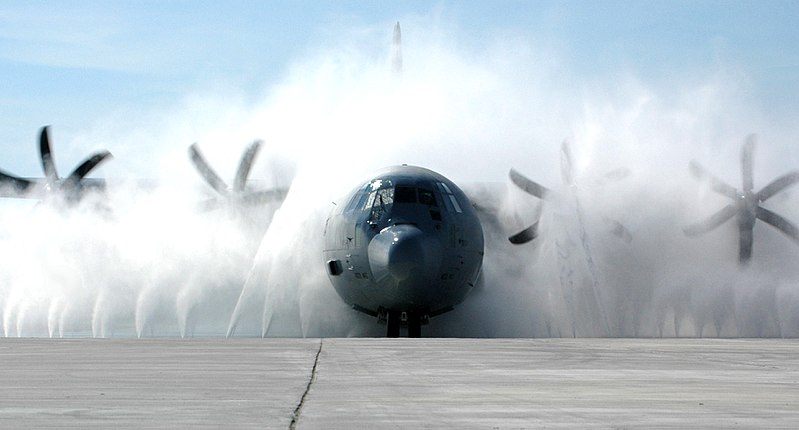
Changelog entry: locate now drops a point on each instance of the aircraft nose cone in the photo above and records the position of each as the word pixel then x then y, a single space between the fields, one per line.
pixel 399 251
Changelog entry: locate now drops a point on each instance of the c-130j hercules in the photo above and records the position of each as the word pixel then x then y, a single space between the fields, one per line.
pixel 407 245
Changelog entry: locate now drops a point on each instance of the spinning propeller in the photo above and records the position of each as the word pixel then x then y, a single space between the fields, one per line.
pixel 239 194
pixel 71 188
pixel 534 189
pixel 746 206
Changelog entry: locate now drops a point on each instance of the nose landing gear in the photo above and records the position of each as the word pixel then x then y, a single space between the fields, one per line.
pixel 396 319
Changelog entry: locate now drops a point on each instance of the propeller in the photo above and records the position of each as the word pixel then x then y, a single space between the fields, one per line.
pixel 746 206
pixel 239 194
pixel 537 190
pixel 72 187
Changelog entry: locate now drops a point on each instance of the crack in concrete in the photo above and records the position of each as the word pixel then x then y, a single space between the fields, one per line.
pixel 296 416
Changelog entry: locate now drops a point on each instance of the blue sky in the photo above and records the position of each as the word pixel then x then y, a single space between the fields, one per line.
pixel 71 64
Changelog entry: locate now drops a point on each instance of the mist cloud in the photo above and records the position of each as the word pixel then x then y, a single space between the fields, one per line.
pixel 155 265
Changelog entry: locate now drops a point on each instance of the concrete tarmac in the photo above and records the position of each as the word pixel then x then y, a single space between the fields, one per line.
pixel 398 383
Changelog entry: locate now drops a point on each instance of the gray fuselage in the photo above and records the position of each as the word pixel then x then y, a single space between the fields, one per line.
pixel 407 240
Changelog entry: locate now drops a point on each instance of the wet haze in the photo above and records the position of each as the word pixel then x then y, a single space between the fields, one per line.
pixel 468 107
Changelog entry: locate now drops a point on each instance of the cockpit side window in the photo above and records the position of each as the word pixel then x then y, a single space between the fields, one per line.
pixel 357 201
pixel 450 201
pixel 372 201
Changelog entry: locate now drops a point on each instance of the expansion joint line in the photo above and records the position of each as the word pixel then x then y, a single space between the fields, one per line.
pixel 296 417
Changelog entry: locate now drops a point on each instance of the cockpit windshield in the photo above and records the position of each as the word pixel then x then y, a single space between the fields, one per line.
pixel 378 195
pixel 405 194
pixel 382 198
pixel 426 197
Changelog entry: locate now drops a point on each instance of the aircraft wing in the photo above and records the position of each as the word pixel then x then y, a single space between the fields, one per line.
pixel 16 187
pixel 36 188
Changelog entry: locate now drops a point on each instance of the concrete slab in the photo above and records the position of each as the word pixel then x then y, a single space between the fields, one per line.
pixel 555 384
pixel 405 383
pixel 163 383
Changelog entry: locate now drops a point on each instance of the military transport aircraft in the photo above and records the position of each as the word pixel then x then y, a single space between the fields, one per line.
pixel 406 246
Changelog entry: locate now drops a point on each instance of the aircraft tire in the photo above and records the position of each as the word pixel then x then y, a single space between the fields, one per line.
pixel 393 324
pixel 414 326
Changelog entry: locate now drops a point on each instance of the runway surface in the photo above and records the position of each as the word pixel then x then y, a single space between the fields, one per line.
pixel 398 383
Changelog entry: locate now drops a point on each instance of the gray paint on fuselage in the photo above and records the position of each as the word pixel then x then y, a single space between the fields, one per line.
pixel 400 251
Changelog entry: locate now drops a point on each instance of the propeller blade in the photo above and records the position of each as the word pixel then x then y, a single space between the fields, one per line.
pixel 20 185
pixel 714 221
pixel 716 184
pixel 778 185
pixel 746 162
pixel 745 239
pixel 525 235
pixel 205 170
pixel 528 185
pixel 265 196
pixel 84 168
pixel 50 172
pixel 778 222
pixel 245 165
pixel 566 164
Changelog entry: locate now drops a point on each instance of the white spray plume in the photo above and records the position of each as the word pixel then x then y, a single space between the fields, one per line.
pixel 156 266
